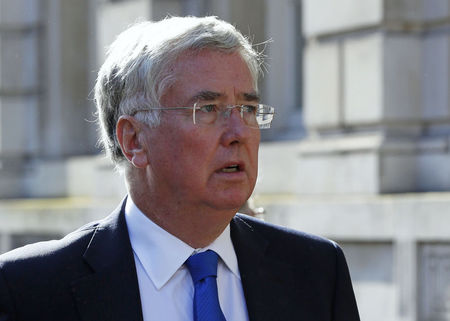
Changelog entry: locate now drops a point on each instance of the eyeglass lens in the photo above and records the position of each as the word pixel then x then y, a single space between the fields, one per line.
pixel 255 116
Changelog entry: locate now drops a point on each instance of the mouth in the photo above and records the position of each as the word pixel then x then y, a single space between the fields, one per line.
pixel 231 169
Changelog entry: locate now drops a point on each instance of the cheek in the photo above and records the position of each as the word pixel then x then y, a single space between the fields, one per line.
pixel 194 152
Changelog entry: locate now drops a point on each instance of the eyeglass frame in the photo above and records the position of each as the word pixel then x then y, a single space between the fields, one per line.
pixel 227 109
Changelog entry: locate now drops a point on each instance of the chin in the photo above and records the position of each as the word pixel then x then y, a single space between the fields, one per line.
pixel 230 203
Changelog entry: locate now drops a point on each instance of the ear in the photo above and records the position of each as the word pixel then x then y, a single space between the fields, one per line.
pixel 128 131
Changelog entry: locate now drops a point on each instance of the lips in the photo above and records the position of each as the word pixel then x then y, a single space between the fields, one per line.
pixel 232 167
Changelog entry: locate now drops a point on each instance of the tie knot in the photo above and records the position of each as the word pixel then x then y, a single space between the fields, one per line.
pixel 202 265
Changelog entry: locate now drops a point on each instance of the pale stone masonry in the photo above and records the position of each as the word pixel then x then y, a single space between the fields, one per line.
pixel 374 79
pixel 19 90
pixel 376 110
pixel 372 172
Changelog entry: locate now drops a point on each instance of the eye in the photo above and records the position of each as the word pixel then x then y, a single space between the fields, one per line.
pixel 208 108
pixel 251 109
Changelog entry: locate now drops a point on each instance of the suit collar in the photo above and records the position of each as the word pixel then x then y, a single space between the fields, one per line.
pixel 267 281
pixel 111 290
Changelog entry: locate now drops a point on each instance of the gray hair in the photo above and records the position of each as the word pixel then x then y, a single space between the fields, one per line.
pixel 137 73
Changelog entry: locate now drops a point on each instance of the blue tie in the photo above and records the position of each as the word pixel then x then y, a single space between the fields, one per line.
pixel 203 269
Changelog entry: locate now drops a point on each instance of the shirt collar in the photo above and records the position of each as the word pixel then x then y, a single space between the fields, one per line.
pixel 162 254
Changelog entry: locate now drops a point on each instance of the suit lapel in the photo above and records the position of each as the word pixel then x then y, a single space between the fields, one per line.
pixel 111 291
pixel 267 282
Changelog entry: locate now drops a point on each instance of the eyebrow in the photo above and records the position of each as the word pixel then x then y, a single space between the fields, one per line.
pixel 207 95
pixel 252 96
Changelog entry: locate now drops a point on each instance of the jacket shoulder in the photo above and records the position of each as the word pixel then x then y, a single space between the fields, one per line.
pixel 285 237
pixel 287 245
pixel 304 268
pixel 48 249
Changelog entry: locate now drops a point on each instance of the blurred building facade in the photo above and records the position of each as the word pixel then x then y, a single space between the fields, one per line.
pixel 359 152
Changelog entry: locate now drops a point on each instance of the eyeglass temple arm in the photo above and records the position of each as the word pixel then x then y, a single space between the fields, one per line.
pixel 193 113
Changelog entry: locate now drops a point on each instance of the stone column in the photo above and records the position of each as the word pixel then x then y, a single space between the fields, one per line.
pixel 20 90
pixel 70 71
pixel 376 97
pixel 434 281
pixel 282 84
pixel 377 113
pixel 46 75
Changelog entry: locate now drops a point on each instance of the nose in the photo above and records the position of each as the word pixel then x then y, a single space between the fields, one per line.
pixel 233 110
pixel 235 129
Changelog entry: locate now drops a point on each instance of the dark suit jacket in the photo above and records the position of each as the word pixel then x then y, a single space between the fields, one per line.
pixel 90 275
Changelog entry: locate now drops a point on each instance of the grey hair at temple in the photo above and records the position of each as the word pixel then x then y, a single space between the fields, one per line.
pixel 137 70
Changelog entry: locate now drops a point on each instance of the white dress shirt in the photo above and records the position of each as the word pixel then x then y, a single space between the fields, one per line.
pixel 165 284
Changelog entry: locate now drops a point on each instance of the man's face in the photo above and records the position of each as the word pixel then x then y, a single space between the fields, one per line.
pixel 205 165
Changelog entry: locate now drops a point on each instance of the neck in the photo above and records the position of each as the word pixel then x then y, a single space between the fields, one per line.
pixel 196 226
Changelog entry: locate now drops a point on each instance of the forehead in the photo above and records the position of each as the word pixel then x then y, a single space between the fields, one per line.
pixel 224 75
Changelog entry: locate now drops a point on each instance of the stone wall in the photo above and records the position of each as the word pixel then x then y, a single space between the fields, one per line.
pixel 380 80
pixel 46 65
pixel 372 173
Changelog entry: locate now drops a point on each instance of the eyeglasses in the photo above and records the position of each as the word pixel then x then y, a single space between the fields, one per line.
pixel 254 115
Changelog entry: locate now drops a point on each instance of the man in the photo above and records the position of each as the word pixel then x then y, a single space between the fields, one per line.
pixel 179 112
